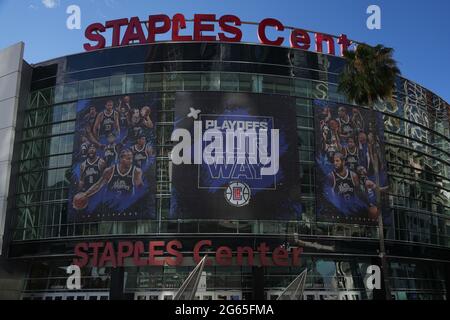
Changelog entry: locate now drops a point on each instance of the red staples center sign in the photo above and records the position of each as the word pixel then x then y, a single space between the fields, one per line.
pixel 159 253
pixel 207 27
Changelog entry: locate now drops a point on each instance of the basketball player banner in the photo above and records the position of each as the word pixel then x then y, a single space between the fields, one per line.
pixel 234 157
pixel 114 159
pixel 351 167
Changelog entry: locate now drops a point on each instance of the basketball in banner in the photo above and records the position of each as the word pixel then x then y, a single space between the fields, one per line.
pixel 350 164
pixel 114 159
pixel 234 157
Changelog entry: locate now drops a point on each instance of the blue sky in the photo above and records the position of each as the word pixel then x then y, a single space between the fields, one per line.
pixel 418 30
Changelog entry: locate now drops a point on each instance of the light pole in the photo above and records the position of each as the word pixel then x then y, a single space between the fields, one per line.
pixel 382 249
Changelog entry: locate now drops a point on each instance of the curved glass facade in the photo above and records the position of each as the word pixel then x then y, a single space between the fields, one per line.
pixel 417 130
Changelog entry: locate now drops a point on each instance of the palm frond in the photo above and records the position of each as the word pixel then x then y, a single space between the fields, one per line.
pixel 369 75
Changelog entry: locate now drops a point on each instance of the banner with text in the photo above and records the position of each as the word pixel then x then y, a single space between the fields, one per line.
pixel 234 157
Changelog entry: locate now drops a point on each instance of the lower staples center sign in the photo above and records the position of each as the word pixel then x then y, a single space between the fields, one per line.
pixel 172 253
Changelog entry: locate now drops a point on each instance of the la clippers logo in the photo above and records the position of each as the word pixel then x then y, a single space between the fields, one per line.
pixel 238 194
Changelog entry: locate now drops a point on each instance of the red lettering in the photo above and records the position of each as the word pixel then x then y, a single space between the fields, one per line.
pixel 320 38
pixel 152 253
pixel 198 246
pixel 344 43
pixel 134 32
pixel 80 251
pixel 225 27
pixel 269 22
pixel 153 30
pixel 138 250
pixel 115 25
pixel 157 257
pixel 179 22
pixel 172 247
pixel 263 248
pixel 92 33
pixel 280 256
pixel 108 255
pixel 125 249
pixel 200 26
pixel 223 256
pixel 300 39
pixel 95 246
pixel 240 258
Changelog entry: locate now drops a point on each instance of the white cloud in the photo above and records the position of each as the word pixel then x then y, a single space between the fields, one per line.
pixel 50 3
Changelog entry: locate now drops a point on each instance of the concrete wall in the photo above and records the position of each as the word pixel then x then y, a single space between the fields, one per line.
pixel 11 64
pixel 14 86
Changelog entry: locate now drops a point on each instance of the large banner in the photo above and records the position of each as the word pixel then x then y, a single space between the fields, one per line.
pixel 234 157
pixel 114 159
pixel 350 163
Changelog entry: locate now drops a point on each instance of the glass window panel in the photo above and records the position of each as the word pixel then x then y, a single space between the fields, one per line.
pixel 229 82
pixel 118 84
pixel 283 86
pixel 153 82
pixel 45 97
pixel 58 93
pixel 302 88
pixel 245 82
pixel 101 87
pixel 173 82
pixel 135 83
pixel 268 84
pixel 70 91
pixel 211 82
pixel 306 155
pixel 33 101
pixel 303 107
pixel 86 89
pixel 192 81
pixel 305 122
pixel 305 139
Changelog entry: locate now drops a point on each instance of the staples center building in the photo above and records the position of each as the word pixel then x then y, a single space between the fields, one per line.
pixel 136 160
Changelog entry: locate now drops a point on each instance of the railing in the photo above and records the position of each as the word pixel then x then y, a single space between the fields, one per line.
pixel 165 227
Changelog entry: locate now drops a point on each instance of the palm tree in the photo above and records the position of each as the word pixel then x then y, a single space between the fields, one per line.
pixel 368 77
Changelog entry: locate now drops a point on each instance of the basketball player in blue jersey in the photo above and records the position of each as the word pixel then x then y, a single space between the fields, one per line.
pixel 84 147
pixel 124 103
pixel 106 122
pixel 111 150
pixel 141 152
pixel 357 121
pixel 140 123
pixel 88 125
pixel 351 154
pixel 346 129
pixel 120 180
pixel 369 188
pixel 91 169
pixel 124 117
pixel 89 118
pixel 124 110
pixel 331 139
pixel 344 183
